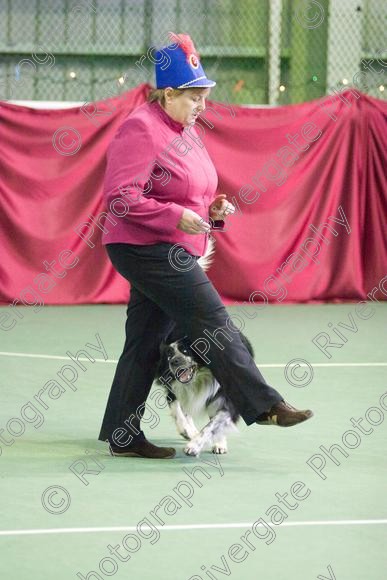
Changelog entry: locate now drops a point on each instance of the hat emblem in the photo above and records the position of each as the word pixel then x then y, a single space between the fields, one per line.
pixel 193 61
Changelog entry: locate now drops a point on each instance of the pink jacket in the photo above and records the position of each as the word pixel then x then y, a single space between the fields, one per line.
pixel 155 169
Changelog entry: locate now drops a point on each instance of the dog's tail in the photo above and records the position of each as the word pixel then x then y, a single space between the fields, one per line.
pixel 208 258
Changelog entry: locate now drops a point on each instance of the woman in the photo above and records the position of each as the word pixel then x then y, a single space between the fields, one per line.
pixel 161 182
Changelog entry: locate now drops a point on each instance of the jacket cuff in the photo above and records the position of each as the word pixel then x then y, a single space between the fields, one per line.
pixel 176 215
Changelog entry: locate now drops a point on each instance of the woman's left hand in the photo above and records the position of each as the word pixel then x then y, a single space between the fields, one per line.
pixel 221 208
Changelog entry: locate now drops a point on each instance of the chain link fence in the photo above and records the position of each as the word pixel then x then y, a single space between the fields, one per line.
pixel 258 51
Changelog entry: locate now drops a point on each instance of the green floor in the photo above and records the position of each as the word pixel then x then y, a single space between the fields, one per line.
pixel 337 531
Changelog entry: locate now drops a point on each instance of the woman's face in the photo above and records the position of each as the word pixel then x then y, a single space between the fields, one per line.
pixel 186 107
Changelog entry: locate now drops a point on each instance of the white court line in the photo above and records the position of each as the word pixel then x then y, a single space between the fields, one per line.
pixel 261 365
pixel 188 527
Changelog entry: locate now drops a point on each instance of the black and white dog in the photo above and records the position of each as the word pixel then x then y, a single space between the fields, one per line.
pixel 193 390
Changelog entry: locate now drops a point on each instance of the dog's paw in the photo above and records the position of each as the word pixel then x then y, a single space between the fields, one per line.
pixel 185 435
pixel 193 448
pixel 219 448
pixel 188 433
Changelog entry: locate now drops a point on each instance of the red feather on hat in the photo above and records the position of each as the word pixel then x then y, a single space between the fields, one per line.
pixel 185 42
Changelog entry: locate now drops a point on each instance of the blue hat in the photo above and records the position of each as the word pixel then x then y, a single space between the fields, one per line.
pixel 178 65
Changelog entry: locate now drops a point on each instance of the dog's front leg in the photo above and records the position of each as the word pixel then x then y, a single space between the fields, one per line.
pixel 184 423
pixel 212 431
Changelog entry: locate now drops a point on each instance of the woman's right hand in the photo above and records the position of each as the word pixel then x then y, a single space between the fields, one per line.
pixel 192 223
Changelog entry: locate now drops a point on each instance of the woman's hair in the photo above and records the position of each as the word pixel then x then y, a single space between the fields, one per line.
pixel 159 95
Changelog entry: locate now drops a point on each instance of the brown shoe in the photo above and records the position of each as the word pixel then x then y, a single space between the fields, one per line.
pixel 283 415
pixel 143 448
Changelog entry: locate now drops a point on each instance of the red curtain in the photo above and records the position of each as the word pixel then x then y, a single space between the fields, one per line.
pixel 289 170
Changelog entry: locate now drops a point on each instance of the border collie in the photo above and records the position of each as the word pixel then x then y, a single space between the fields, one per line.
pixel 193 389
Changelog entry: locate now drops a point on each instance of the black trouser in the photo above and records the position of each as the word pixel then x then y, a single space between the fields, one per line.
pixel 166 291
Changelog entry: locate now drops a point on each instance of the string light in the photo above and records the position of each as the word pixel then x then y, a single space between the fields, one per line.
pixel 123 78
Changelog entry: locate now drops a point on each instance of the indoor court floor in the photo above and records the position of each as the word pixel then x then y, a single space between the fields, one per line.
pixel 281 505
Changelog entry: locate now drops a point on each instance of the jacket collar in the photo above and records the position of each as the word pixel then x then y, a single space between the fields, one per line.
pixel 175 125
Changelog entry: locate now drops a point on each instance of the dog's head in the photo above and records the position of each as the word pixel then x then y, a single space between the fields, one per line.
pixel 180 359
